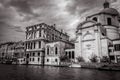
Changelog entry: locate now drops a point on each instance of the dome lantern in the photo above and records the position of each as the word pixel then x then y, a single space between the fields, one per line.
pixel 106 4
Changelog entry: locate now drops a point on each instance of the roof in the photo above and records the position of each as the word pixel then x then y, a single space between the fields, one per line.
pixel 90 22
pixel 111 11
pixel 117 39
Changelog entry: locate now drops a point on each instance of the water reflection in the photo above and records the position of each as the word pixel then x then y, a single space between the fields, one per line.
pixel 22 72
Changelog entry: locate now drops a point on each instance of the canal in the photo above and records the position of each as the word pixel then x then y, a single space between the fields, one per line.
pixel 23 72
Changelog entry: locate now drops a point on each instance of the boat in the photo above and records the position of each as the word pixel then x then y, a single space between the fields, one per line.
pixel 75 65
pixel 8 62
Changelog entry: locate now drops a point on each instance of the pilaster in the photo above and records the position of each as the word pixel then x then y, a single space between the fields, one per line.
pixel 97 42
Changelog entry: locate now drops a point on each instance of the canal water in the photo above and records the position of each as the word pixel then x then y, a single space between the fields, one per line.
pixel 30 72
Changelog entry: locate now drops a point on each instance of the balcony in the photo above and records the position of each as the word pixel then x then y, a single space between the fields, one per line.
pixel 40 49
pixel 36 39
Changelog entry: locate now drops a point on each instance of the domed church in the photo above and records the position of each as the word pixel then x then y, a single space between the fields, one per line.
pixel 99 36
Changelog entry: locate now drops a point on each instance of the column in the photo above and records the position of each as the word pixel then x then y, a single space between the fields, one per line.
pixel 115 58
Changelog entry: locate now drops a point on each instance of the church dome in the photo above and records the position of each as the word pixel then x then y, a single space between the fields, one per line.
pixel 111 11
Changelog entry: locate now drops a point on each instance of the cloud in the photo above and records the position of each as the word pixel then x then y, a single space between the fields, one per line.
pixel 15 15
pixel 8 33
pixel 18 29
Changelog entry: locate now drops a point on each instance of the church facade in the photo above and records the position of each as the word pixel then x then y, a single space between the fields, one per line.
pixel 99 36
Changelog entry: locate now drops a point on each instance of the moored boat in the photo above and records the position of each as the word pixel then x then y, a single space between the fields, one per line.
pixel 75 65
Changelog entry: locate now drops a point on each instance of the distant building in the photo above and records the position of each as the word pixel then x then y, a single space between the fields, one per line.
pixel 12 52
pixel 19 53
pixel 37 36
pixel 5 51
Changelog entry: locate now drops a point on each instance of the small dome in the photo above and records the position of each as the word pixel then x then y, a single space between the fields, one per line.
pixel 110 11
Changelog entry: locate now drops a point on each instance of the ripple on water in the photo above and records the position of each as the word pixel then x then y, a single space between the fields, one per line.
pixel 30 72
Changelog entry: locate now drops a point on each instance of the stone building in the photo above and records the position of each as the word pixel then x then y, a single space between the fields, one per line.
pixel 37 36
pixel 54 50
pixel 19 53
pixel 12 52
pixel 6 51
pixel 99 35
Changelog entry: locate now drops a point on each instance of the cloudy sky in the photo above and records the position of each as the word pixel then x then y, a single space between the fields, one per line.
pixel 15 15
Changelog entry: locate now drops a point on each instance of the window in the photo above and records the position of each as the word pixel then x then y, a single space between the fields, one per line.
pixel 47 60
pixel 66 53
pixel 109 50
pixel 34 44
pixel 33 54
pixel 33 59
pixel 24 59
pixel 48 51
pixel 27 55
pixel 95 19
pixel 112 58
pixel 69 54
pixel 73 56
pixel 117 47
pixel 40 33
pixel 38 53
pixel 56 50
pixel 2 54
pixel 38 59
pixel 30 59
pixel 26 46
pixel 109 21
pixel 39 44
pixel 56 60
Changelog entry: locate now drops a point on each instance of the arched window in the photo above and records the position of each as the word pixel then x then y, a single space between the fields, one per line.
pixel 109 22
pixel 56 50
pixel 73 55
pixel 33 59
pixel 69 54
pixel 38 59
pixel 56 60
pixel 95 19
pixel 38 53
pixel 33 54
pixel 47 50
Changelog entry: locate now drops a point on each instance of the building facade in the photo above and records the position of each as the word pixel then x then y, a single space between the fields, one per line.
pixel 12 52
pixel 37 36
pixel 19 53
pixel 99 35
pixel 55 50
pixel 6 52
